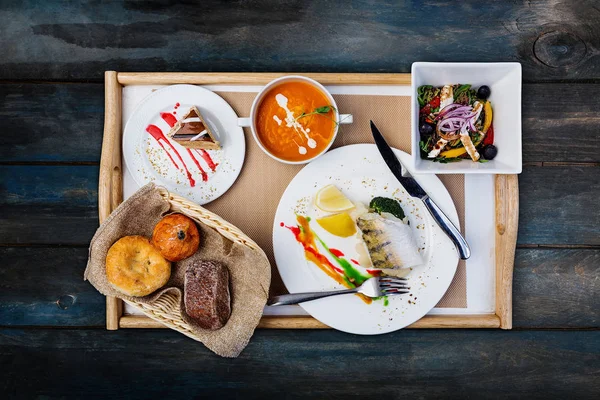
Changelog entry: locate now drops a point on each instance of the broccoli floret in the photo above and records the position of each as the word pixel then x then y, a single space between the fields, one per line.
pixel 385 204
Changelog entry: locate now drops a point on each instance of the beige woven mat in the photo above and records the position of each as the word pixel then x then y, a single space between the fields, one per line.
pixel 263 180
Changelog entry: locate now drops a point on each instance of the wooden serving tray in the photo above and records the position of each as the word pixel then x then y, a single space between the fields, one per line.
pixel 110 195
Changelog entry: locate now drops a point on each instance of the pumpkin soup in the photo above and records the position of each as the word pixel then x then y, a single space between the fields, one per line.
pixel 295 121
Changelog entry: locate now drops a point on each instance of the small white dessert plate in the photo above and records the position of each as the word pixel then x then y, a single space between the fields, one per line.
pixel 201 176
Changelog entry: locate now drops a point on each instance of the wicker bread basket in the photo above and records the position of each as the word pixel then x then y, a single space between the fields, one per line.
pixel 166 309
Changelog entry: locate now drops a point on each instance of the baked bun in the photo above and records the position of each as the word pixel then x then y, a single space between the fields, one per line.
pixel 135 267
pixel 176 236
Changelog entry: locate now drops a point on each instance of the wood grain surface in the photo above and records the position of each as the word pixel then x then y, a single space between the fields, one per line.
pixel 479 321
pixel 53 342
pixel 554 39
pixel 556 204
pixel 253 78
pixel 64 123
pixel 506 223
pixel 553 288
pixel 300 364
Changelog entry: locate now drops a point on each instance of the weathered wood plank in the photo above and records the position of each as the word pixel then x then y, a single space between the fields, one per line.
pixel 558 205
pixel 51 122
pixel 43 286
pixel 48 204
pixel 555 39
pixel 299 364
pixel 556 288
pixel 58 204
pixel 560 122
pixel 54 122
pixel 52 225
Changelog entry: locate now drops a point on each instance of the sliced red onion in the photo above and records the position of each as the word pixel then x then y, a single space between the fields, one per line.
pixel 451 126
pixel 453 114
pixel 453 120
pixel 472 125
pixel 448 129
pixel 448 109
pixel 458 113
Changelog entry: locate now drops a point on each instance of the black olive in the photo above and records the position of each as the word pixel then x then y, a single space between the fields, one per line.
pixel 484 92
pixel 181 235
pixel 425 129
pixel 489 152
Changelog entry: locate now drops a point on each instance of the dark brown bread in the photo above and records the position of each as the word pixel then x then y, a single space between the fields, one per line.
pixel 206 293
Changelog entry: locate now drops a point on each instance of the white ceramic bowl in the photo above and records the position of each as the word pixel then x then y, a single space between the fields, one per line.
pixel 504 80
pixel 251 122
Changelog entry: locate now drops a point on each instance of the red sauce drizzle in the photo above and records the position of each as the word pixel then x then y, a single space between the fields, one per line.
pixel 204 175
pixel 354 261
pixel 295 230
pixel 169 118
pixel 336 252
pixel 374 272
pixel 157 134
pixel 306 238
pixel 177 105
pixel 206 157
pixel 320 257
pixel 281 224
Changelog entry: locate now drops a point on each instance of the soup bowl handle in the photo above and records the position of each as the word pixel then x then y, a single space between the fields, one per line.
pixel 244 122
pixel 346 119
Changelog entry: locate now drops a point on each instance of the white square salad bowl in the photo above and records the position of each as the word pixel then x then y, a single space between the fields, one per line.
pixel 504 80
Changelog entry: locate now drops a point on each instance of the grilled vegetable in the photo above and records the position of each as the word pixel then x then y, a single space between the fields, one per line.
pixel 487 109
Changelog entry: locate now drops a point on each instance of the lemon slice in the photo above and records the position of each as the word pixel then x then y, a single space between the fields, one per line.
pixel 330 199
pixel 339 224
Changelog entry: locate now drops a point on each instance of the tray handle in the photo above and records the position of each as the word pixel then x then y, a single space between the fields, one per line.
pixel 507 222
pixel 110 184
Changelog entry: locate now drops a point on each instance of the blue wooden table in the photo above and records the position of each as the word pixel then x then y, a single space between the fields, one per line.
pixel 52 337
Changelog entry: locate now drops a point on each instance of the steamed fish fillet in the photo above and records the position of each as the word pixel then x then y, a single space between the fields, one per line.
pixel 389 241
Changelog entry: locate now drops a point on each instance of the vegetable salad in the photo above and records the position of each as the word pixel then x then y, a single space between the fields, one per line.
pixel 455 123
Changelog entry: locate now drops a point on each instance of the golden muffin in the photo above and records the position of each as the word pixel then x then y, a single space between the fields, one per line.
pixel 135 267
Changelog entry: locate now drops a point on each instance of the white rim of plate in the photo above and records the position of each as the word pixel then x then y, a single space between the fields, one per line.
pixel 237 168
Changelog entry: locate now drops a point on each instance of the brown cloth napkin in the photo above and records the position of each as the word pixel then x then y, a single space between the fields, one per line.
pixel 250 272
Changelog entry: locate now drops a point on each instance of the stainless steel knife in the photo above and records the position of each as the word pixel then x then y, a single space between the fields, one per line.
pixel 415 190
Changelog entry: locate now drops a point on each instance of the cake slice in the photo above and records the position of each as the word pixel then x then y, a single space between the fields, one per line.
pixel 193 132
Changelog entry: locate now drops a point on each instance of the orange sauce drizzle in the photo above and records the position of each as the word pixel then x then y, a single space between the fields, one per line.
pixel 305 236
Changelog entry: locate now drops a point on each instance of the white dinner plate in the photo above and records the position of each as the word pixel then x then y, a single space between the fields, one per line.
pixel 191 175
pixel 361 174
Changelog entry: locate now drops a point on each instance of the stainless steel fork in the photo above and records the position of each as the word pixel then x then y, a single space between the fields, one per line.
pixel 373 287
